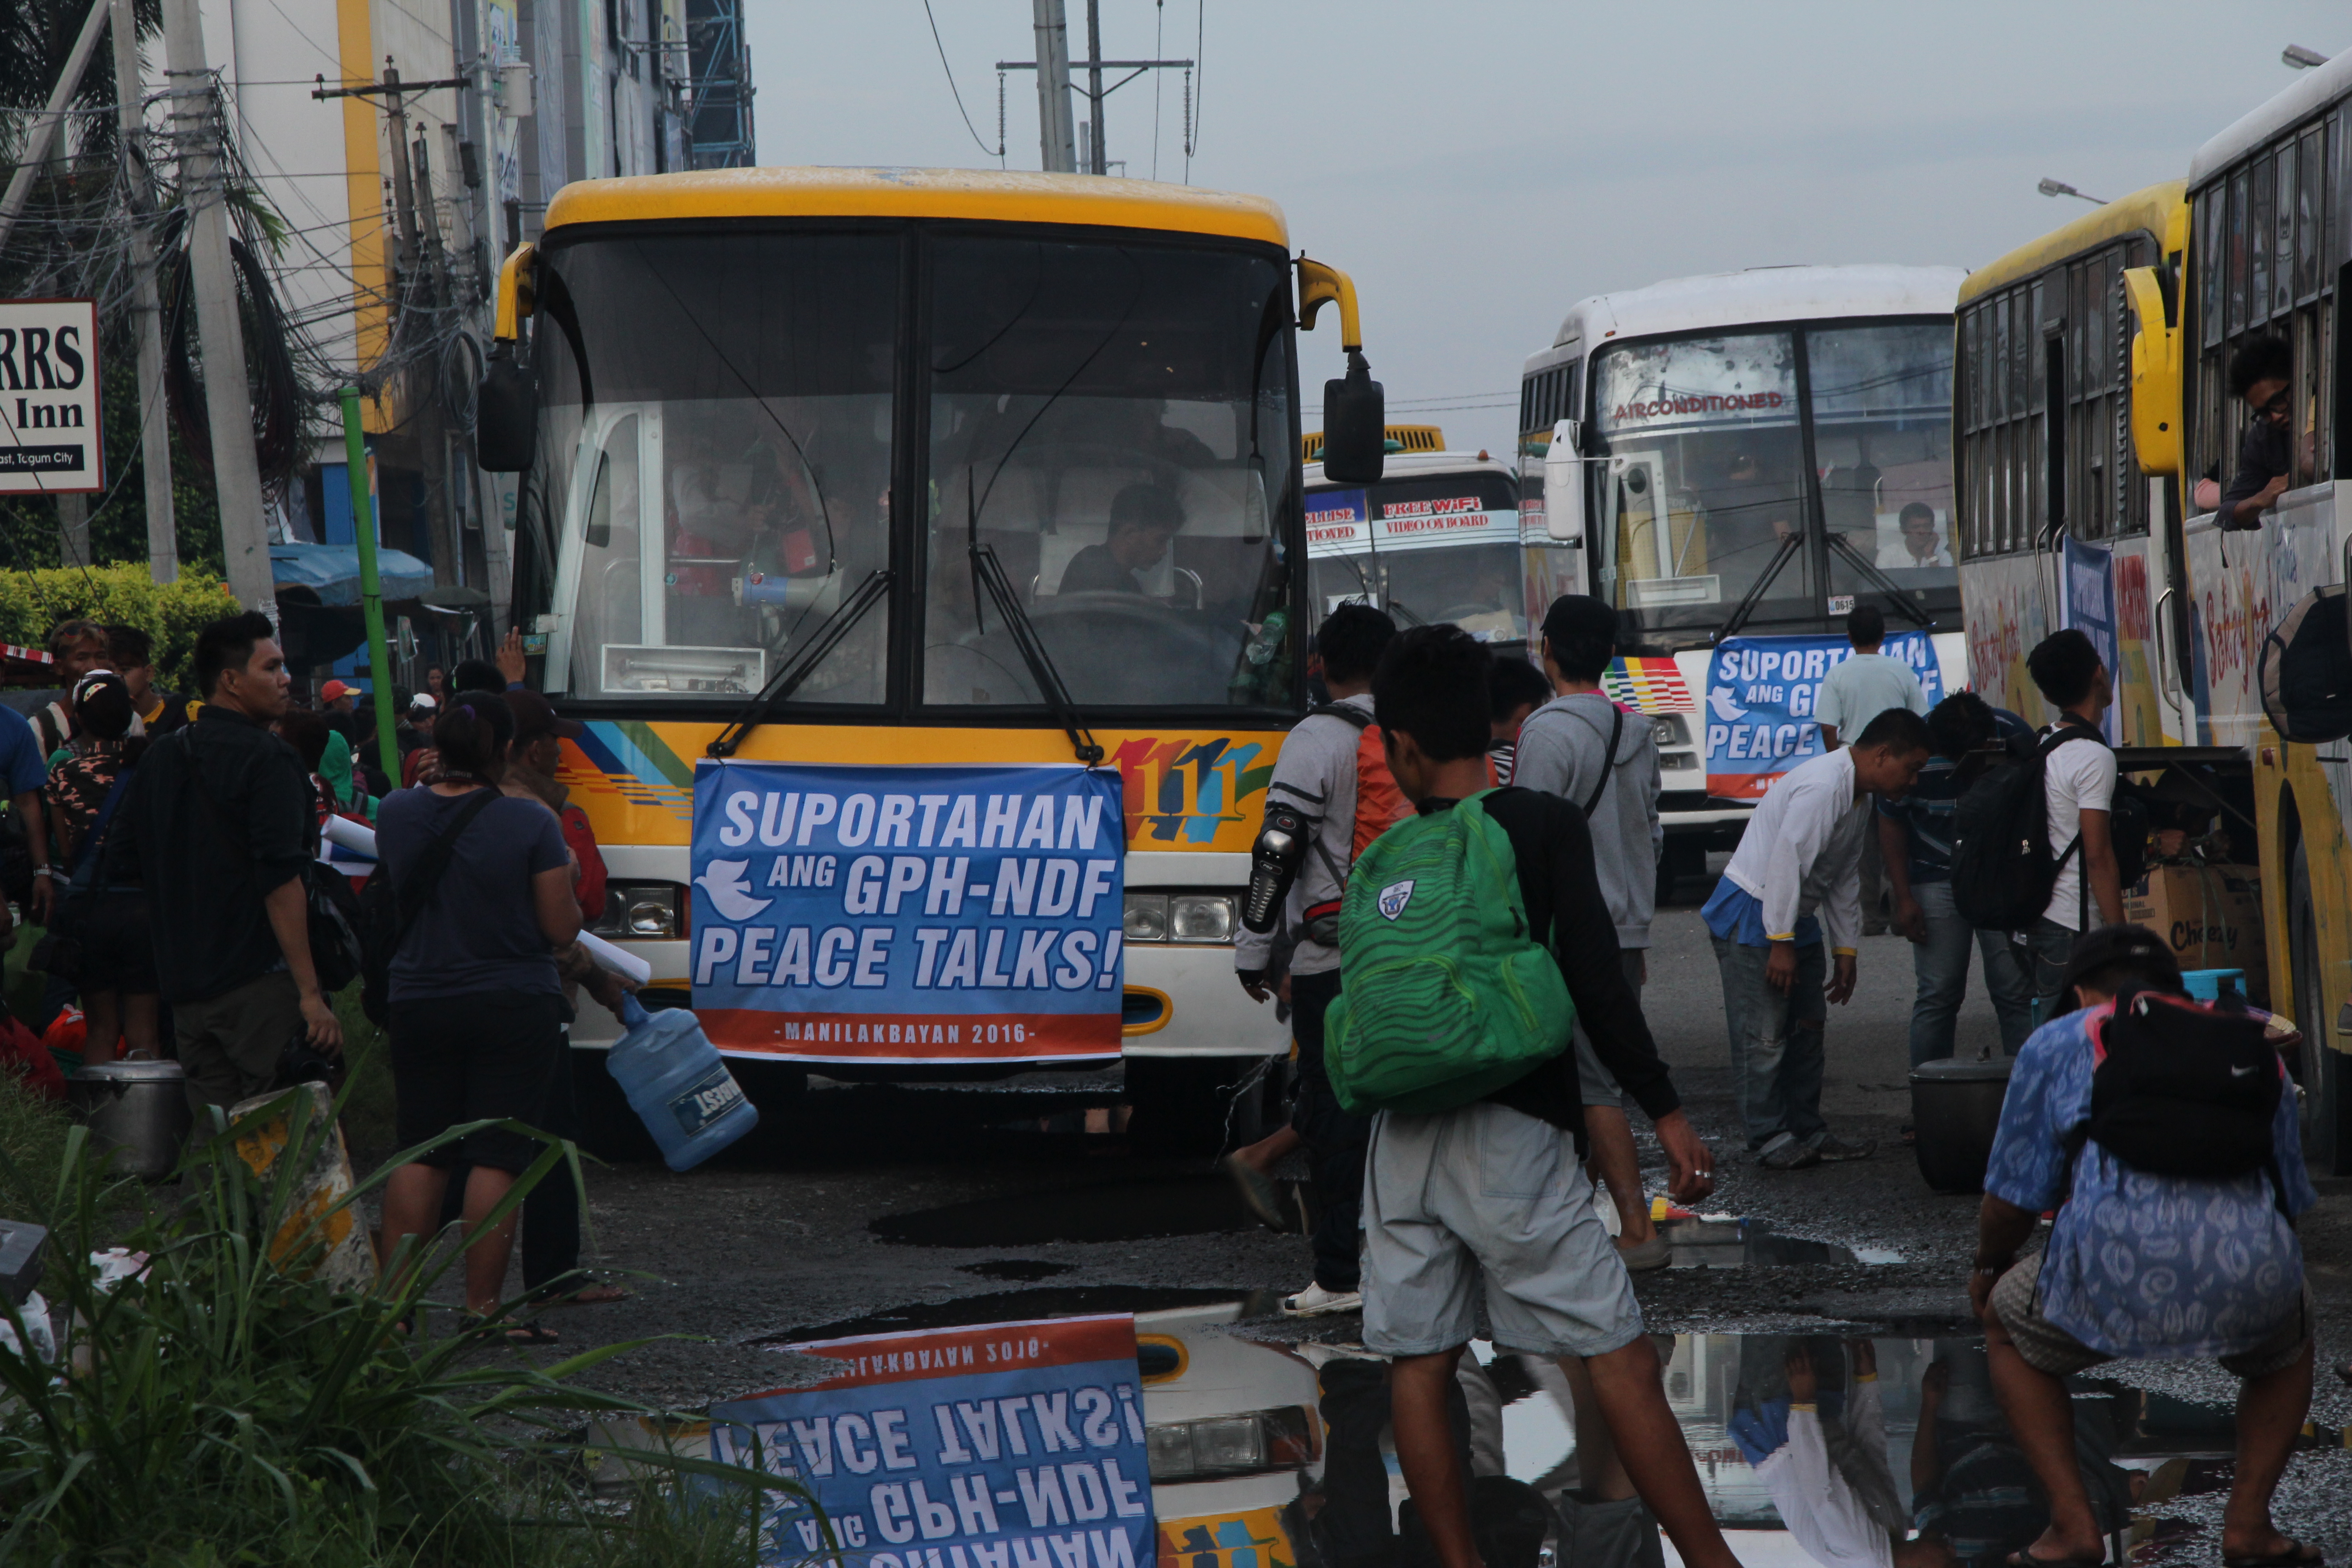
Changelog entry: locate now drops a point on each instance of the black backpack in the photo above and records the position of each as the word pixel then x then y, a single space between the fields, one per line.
pixel 2002 867
pixel 386 913
pixel 2183 1089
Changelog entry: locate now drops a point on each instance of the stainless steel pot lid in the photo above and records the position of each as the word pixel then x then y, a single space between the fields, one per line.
pixel 130 1071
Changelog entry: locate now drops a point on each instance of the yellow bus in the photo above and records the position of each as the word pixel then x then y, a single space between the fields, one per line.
pixel 925 468
pixel 2096 431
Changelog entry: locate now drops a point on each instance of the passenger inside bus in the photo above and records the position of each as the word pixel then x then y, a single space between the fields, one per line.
pixel 1918 542
pixel 1143 519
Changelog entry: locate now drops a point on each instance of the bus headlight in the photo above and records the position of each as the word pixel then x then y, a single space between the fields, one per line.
pixel 1145 918
pixel 1670 729
pixel 1208 918
pixel 1201 917
pixel 1231 1445
pixel 642 911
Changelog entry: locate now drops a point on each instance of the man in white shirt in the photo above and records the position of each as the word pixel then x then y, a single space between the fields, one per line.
pixel 2079 783
pixel 1858 688
pixel 1800 853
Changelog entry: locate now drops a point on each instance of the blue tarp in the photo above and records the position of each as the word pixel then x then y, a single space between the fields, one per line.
pixel 332 571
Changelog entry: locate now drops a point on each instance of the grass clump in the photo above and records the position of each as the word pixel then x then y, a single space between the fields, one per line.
pixel 231 1404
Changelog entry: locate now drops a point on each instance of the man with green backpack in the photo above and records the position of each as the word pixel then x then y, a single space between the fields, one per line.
pixel 1472 937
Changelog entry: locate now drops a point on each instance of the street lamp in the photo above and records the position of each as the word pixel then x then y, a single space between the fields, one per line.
pixel 2050 187
pixel 2294 57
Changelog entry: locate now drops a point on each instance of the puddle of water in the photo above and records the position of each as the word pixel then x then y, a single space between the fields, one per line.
pixel 1025 1269
pixel 1914 1434
pixel 1743 1244
pixel 1018 1306
pixel 1110 1211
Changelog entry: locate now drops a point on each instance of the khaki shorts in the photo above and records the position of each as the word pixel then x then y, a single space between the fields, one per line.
pixel 2046 1347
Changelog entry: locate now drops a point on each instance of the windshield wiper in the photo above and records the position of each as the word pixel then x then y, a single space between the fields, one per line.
pixel 988 574
pixel 790 679
pixel 1887 585
pixel 1746 606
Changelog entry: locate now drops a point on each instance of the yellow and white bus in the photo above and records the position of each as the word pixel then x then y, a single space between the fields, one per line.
pixel 1753 455
pixel 823 471
pixel 2096 430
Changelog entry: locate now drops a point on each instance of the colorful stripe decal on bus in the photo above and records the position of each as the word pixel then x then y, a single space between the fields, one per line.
pixel 1648 686
pixel 640 764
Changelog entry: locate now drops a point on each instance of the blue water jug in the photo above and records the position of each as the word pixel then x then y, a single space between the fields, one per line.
pixel 678 1083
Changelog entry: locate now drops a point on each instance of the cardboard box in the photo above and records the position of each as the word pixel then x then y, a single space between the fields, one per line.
pixel 2210 915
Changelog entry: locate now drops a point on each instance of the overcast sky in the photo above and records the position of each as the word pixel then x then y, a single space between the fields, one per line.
pixel 1479 166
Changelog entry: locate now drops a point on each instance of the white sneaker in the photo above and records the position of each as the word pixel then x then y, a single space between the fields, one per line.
pixel 1316 1302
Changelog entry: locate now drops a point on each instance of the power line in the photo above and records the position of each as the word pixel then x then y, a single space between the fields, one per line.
pixel 1194 91
pixel 997 152
pixel 1159 29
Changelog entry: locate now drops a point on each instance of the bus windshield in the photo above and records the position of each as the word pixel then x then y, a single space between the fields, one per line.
pixel 719 444
pixel 715 443
pixel 1115 421
pixel 1431 548
pixel 1704 494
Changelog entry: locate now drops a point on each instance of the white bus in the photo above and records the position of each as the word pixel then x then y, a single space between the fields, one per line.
pixel 1747 457
pixel 1436 540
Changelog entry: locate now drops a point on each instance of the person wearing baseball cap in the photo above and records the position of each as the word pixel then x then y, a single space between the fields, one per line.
pixel 339 697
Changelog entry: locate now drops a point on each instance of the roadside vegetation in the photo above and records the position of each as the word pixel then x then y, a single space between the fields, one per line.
pixel 229 1405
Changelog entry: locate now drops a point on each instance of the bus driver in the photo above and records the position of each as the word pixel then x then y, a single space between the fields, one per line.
pixel 1143 519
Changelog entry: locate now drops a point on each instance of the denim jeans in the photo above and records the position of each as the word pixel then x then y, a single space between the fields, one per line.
pixel 2050 945
pixel 1776 1041
pixel 1941 966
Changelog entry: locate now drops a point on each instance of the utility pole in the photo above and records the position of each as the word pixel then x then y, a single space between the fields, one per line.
pixel 1094 87
pixel 146 307
pixel 236 471
pixel 1055 137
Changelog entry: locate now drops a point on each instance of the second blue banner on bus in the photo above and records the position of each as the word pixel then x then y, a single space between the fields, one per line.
pixel 907 914
pixel 1760 697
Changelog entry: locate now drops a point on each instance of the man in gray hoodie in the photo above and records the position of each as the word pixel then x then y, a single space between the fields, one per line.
pixel 1315 776
pixel 1584 748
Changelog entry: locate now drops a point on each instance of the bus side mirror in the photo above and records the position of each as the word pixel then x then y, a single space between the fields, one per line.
pixel 1564 484
pixel 506 414
pixel 1355 421
pixel 2155 375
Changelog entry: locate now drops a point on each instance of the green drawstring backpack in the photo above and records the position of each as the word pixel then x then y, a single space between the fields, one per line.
pixel 1445 996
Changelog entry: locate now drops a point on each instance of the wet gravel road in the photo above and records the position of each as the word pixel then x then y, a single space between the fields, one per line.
pixel 982 1223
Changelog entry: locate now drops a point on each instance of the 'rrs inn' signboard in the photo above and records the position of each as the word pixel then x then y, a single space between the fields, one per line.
pixel 48 398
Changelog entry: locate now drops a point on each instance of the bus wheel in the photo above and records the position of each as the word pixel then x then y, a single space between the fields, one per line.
pixel 2326 1145
pixel 1187 1104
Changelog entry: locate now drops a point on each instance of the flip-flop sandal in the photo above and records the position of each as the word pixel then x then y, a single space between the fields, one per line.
pixel 530 1333
pixel 2298 1554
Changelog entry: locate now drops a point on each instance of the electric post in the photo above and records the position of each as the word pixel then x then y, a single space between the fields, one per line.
pixel 146 306
pixel 228 407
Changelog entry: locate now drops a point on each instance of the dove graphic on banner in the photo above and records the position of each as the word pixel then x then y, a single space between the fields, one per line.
pixel 729 892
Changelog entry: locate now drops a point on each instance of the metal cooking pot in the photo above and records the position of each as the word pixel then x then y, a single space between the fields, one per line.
pixel 137 1111
pixel 1954 1111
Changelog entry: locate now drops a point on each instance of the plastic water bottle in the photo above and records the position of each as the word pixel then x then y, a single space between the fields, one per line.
pixel 679 1084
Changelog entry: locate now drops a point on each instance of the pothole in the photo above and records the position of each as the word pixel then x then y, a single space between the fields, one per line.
pixel 1025 1269
pixel 1737 1402
pixel 1110 1211
pixel 1704 1242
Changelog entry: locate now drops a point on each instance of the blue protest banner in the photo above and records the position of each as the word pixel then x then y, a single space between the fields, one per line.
pixel 1760 694
pixel 2090 601
pixel 1005 1445
pixel 907 914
